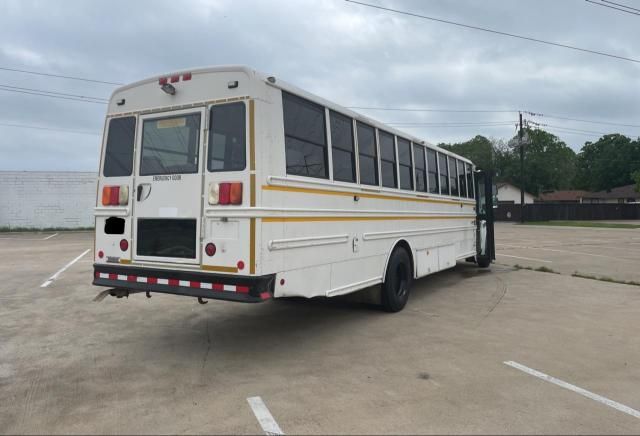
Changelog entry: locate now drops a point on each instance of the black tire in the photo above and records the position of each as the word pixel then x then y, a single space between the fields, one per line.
pixel 483 261
pixel 397 283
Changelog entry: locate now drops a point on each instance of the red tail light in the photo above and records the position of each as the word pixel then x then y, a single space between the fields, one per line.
pixel 175 78
pixel 225 193
pixel 124 245
pixel 210 249
pixel 115 195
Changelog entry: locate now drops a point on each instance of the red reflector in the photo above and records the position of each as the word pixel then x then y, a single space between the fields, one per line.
pixel 240 265
pixel 218 287
pixel 162 81
pixel 265 295
pixel 152 280
pixel 124 245
pixel 175 78
pixel 194 284
pixel 113 276
pixel 131 278
pixel 235 193
pixel 114 198
pixel 242 289
pixel 210 249
pixel 100 254
pixel 186 76
pixel 225 193
pixel 174 282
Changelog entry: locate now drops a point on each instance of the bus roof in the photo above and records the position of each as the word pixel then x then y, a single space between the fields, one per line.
pixel 283 85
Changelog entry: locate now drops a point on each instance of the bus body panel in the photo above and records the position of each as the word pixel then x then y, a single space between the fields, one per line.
pixel 306 236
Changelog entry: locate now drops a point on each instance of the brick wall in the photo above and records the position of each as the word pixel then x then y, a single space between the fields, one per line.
pixel 37 199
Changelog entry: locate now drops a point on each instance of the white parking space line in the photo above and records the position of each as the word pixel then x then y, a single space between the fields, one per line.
pixel 524 258
pixel 63 269
pixel 11 238
pixel 557 251
pixel 268 424
pixel 595 397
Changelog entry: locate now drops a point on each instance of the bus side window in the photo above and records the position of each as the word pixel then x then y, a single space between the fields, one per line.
pixel 342 148
pixel 118 156
pixel 227 138
pixel 432 172
pixel 462 183
pixel 470 190
pixel 388 160
pixel 444 174
pixel 406 169
pixel 367 154
pixel 304 137
pixel 453 176
pixel 421 173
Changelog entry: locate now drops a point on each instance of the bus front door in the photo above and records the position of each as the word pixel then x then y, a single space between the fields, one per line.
pixel 485 242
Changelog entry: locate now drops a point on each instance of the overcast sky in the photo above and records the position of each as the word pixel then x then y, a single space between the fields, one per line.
pixel 350 54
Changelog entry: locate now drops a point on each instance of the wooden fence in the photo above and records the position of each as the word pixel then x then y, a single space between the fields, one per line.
pixel 568 211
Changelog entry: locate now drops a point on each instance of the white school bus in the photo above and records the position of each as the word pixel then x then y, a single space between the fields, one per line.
pixel 224 183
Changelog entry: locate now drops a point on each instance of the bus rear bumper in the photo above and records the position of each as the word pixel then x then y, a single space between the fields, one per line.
pixel 245 289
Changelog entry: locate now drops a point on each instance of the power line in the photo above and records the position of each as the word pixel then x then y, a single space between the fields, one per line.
pixel 37 73
pixel 431 110
pixel 52 96
pixel 576 130
pixel 25 126
pixel 55 93
pixel 619 4
pixel 497 32
pixel 418 126
pixel 488 123
pixel 559 117
pixel 612 7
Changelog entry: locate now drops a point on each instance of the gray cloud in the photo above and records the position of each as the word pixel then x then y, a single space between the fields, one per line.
pixel 346 53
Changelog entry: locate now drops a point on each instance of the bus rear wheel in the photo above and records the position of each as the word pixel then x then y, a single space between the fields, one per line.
pixel 483 261
pixel 397 282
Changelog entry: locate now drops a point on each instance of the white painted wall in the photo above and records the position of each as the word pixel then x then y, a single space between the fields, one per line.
pixel 36 199
pixel 509 192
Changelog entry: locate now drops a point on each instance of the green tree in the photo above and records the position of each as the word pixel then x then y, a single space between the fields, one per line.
pixel 479 150
pixel 549 163
pixel 607 163
pixel 636 178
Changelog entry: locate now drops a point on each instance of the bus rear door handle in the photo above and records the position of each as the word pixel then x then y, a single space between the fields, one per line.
pixel 143 191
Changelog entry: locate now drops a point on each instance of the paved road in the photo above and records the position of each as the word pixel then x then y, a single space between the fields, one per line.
pixel 169 365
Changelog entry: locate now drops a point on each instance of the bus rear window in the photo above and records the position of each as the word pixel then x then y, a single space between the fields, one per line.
pixel 170 145
pixel 118 156
pixel 227 138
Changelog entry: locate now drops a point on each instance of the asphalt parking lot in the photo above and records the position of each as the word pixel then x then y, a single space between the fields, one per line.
pixel 170 365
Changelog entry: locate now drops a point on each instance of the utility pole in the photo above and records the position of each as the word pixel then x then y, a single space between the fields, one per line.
pixel 520 134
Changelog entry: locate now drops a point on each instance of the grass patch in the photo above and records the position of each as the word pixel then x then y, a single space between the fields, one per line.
pixel 539 269
pixel 583 224
pixel 44 229
pixel 605 279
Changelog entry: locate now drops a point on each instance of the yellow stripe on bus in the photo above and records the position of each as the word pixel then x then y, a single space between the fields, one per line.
pixel 231 269
pixel 359 194
pixel 358 218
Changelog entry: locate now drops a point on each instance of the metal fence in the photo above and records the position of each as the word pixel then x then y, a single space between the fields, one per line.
pixel 568 211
